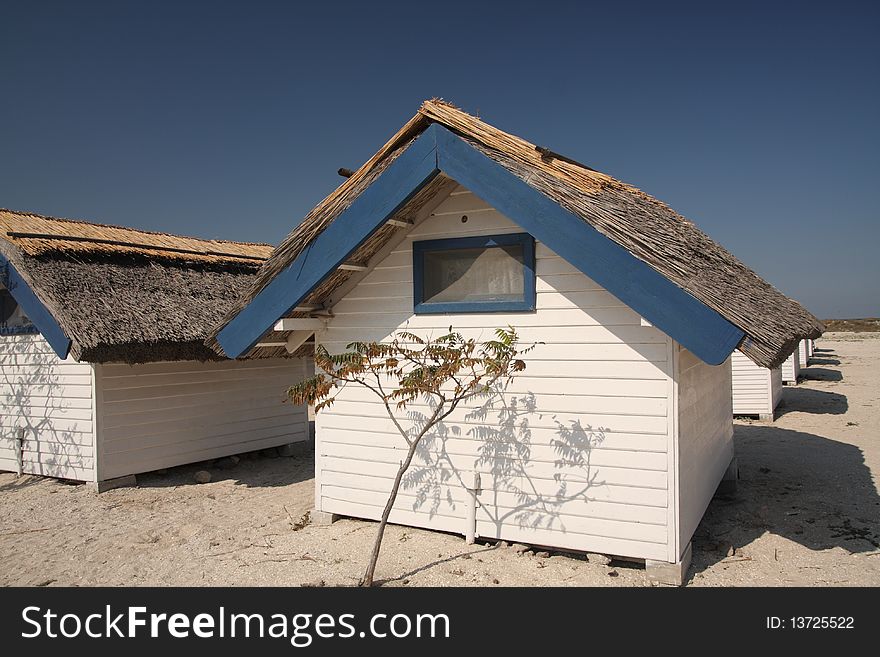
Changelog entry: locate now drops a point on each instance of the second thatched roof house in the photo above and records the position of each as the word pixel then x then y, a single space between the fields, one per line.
pixel 757 390
pixel 619 430
pixel 103 365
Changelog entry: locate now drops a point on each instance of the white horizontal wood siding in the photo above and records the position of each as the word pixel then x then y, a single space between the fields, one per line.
pixel 803 354
pixel 791 368
pixel 776 386
pixel 705 437
pixel 160 415
pixel 574 454
pixel 756 390
pixel 47 401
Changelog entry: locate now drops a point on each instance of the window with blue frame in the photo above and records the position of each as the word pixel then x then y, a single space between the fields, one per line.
pixel 494 273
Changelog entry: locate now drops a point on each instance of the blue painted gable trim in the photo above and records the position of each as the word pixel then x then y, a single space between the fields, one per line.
pixel 668 307
pixel 401 180
pixel 35 310
pixel 697 327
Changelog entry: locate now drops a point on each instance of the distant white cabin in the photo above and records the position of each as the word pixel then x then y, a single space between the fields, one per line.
pixel 791 368
pixel 756 390
pixel 804 353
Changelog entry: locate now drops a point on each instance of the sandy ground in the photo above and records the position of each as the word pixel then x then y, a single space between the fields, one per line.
pixel 807 512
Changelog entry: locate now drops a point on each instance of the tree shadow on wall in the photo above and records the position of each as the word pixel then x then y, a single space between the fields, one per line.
pixel 46 425
pixel 524 482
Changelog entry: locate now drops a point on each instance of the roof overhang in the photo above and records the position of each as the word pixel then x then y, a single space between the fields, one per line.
pixel 700 329
pixel 35 310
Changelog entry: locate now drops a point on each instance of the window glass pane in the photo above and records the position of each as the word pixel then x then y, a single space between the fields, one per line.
pixel 481 274
pixel 11 314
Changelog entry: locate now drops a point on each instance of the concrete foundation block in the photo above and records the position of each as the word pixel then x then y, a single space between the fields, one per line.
pixel 766 417
pixel 128 481
pixel 322 518
pixel 729 480
pixel 673 574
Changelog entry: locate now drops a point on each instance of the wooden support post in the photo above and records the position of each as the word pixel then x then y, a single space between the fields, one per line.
pixel 19 452
pixel 473 489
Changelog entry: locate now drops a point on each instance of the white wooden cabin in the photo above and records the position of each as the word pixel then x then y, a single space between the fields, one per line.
pixel 757 390
pixel 88 396
pixel 804 353
pixel 619 431
pixel 644 411
pixel 791 368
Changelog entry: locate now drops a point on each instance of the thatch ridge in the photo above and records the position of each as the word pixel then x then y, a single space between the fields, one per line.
pixel 35 234
pixel 645 226
pixel 129 304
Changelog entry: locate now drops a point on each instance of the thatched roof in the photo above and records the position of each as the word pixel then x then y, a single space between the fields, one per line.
pixel 647 228
pixel 126 295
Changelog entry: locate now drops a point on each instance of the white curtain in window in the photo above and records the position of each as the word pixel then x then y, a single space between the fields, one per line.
pixel 484 274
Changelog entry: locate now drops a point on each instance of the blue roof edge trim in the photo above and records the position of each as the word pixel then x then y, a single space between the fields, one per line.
pixel 686 319
pixel 698 328
pixel 404 177
pixel 42 319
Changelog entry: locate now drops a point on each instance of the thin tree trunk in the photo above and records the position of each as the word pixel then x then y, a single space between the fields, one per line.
pixel 374 557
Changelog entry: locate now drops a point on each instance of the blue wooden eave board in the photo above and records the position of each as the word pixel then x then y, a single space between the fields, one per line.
pixel 42 319
pixel 401 180
pixel 671 309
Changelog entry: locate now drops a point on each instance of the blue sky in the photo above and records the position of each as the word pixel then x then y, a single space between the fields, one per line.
pixel 759 122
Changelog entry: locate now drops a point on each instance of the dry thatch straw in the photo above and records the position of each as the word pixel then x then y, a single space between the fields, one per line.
pixel 646 227
pixel 34 235
pixel 125 295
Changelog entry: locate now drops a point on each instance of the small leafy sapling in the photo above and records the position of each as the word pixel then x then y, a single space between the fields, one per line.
pixel 446 372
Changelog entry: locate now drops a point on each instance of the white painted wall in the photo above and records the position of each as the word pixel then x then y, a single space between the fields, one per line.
pixel 51 401
pixel 776 386
pixel 145 416
pixel 160 415
pixel 705 437
pixel 803 353
pixel 791 368
pixel 600 384
pixel 756 390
